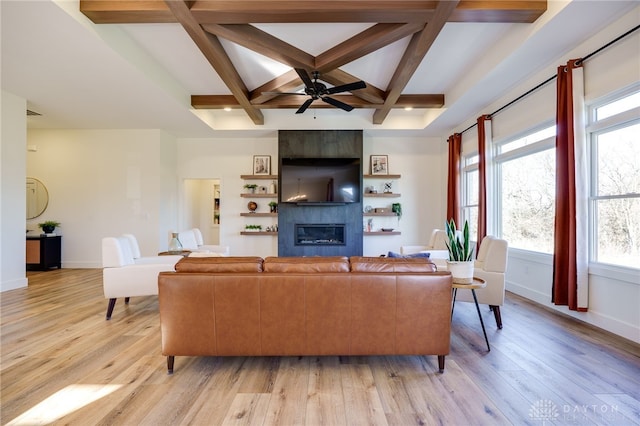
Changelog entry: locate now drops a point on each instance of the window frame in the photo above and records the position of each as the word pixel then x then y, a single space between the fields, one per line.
pixel 500 158
pixel 594 129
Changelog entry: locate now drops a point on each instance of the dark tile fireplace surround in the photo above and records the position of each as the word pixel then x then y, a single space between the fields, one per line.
pixel 320 230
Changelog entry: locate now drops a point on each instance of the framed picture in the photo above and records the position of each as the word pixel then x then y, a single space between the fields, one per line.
pixel 379 165
pixel 261 164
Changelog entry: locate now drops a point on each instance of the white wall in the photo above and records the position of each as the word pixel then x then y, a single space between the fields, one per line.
pixel 614 295
pixel 13 195
pixel 422 186
pixel 104 183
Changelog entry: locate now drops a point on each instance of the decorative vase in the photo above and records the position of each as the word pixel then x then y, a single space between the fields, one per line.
pixel 462 272
pixel 48 229
pixel 175 246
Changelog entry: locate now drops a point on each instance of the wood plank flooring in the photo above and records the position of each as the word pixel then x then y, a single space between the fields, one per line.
pixel 62 363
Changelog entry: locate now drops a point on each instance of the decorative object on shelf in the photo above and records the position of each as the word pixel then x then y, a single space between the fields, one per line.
pixel 372 190
pixel 216 219
pixel 175 246
pixel 262 189
pixel 387 187
pixel 273 207
pixel 261 164
pixel 273 188
pixel 379 165
pixel 460 262
pixel 386 229
pixel 252 206
pixel 397 209
pixel 253 228
pixel 250 187
pixel 49 226
pixel 369 225
pixel 368 209
pixel 381 210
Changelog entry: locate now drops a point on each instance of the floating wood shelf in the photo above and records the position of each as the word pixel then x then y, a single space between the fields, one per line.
pixel 258 233
pixel 382 233
pixel 267 177
pixel 390 214
pixel 381 176
pixel 259 214
pixel 381 194
pixel 259 195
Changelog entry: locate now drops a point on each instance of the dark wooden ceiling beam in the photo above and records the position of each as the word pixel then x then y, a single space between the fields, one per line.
pixel 370 93
pixel 414 54
pixel 246 12
pixel 211 48
pixel 369 40
pixel 287 82
pixel 294 102
pixel 261 42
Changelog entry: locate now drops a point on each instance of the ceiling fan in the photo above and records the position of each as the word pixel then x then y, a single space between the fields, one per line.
pixel 318 90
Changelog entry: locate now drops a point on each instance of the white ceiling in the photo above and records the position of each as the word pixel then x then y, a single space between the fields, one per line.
pixel 85 76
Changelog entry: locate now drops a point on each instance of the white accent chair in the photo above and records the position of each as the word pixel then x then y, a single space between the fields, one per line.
pixel 192 240
pixel 437 248
pixel 139 259
pixel 123 277
pixel 490 265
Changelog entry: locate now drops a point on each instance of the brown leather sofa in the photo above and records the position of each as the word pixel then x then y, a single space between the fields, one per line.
pixel 249 306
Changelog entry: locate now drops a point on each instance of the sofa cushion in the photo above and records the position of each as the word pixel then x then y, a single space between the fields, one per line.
pixel 307 264
pixel 391 265
pixel 220 264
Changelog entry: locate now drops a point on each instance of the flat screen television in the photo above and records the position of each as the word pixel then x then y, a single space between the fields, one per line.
pixel 320 180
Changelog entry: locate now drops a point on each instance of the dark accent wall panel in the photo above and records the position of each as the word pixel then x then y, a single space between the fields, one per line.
pixel 320 144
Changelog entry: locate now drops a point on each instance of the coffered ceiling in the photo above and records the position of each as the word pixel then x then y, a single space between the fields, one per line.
pixel 208 22
pixel 178 65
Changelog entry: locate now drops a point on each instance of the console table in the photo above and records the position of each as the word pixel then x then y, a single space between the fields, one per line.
pixel 44 253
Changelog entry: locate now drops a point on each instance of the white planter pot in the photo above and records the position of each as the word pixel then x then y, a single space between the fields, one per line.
pixel 462 272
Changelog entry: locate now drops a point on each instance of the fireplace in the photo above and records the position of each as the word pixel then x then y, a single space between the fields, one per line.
pixel 320 234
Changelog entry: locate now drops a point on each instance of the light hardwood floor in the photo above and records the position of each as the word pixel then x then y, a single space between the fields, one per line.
pixel 62 363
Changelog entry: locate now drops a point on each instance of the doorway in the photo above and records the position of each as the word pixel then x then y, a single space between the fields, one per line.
pixel 202 208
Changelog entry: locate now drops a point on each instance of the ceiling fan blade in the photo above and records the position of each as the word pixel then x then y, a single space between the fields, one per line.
pixel 304 76
pixel 346 87
pixel 304 106
pixel 337 103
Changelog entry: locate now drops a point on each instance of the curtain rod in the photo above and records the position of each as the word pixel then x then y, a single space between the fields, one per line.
pixel 617 39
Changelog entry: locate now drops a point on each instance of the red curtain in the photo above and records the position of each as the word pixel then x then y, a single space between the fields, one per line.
pixel 565 280
pixel 482 180
pixel 453 191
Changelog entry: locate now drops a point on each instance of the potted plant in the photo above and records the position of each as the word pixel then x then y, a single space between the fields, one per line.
pixel 251 187
pixel 460 262
pixel 273 206
pixel 48 226
pixel 253 228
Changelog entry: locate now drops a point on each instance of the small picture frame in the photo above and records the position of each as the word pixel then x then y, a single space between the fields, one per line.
pixel 379 165
pixel 261 164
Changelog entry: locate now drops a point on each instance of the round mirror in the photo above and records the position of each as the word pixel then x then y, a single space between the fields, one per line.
pixel 37 198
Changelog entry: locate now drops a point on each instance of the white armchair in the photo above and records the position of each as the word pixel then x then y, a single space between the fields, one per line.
pixel 123 277
pixel 437 248
pixel 139 259
pixel 192 240
pixel 490 265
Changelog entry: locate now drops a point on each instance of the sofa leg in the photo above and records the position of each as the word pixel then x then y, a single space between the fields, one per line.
pixel 126 300
pixel 170 360
pixel 496 313
pixel 441 363
pixel 112 304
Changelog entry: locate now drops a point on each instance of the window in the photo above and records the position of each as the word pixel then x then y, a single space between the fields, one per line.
pixel 470 188
pixel 615 182
pixel 526 195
